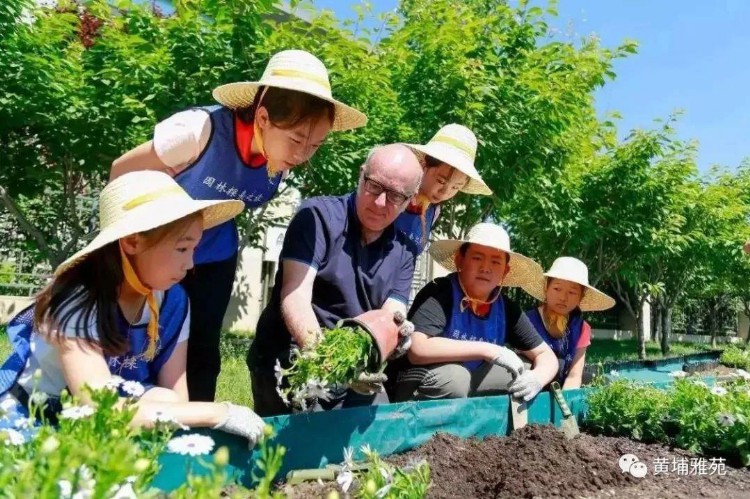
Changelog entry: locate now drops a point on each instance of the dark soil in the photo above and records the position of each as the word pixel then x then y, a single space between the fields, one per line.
pixel 538 462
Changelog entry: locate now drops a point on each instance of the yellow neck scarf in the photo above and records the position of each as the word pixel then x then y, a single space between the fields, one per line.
pixel 153 323
pixel 556 324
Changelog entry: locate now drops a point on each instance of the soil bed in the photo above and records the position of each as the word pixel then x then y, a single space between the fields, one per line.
pixel 537 462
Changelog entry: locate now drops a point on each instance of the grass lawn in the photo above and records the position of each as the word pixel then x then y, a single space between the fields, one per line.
pixel 613 350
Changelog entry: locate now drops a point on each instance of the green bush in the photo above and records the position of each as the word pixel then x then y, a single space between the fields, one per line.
pixel 689 415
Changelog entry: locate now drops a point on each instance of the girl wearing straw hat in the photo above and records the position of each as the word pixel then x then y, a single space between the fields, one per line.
pixel 112 315
pixel 240 149
pixel 449 168
pixel 462 323
pixel 565 292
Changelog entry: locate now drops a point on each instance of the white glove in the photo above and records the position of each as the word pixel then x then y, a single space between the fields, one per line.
pixel 369 383
pixel 508 359
pixel 405 330
pixel 242 421
pixel 526 386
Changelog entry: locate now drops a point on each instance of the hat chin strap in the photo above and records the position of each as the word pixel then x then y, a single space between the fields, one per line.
pixel 474 303
pixel 134 282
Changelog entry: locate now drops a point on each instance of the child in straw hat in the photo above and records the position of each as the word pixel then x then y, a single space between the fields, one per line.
pixel 113 316
pixel 239 149
pixel 565 292
pixel 462 324
pixel 449 168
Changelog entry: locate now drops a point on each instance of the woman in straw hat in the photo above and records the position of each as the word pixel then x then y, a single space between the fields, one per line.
pixel 240 149
pixel 112 316
pixel 565 292
pixel 462 323
pixel 449 168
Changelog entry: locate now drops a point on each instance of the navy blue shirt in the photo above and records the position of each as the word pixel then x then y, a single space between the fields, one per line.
pixel 351 278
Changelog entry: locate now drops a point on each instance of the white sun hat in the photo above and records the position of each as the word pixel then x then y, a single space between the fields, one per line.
pixel 143 200
pixel 523 270
pixel 292 70
pixel 574 270
pixel 456 145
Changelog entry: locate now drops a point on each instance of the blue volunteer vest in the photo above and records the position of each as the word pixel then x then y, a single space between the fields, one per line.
pixel 411 224
pixel 220 173
pixel 467 326
pixel 132 366
pixel 565 347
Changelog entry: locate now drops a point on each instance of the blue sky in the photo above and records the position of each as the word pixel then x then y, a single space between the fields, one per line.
pixel 693 55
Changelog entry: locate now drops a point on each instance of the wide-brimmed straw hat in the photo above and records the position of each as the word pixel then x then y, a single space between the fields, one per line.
pixel 456 145
pixel 523 270
pixel 144 200
pixel 293 70
pixel 572 269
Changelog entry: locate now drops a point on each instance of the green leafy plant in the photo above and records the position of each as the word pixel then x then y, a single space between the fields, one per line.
pixel 334 360
pixel 736 356
pixel 270 461
pixel 377 479
pixel 689 414
pixel 48 461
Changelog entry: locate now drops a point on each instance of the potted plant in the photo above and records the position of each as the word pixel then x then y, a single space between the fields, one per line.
pixel 338 357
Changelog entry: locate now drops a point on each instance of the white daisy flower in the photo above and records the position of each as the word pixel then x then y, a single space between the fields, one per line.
pixel 192 445
pixel 277 372
pixel 7 403
pixel 678 374
pixel 316 389
pixel 23 423
pixel 125 491
pixel 719 390
pixel 66 488
pixel 114 382
pixel 77 412
pixel 133 388
pixel 163 418
pixel 366 450
pixel 11 437
pixel 345 480
pixel 614 373
pixel 348 457
pixel 380 494
pixel 725 419
pixel 38 398
pixel 698 382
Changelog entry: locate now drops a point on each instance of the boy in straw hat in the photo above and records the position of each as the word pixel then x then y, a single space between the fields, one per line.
pixel 565 292
pixel 462 323
pixel 449 168
pixel 240 149
pixel 113 316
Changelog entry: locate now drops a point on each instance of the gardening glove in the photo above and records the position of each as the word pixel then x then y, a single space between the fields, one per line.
pixel 369 383
pixel 525 386
pixel 510 361
pixel 242 421
pixel 405 330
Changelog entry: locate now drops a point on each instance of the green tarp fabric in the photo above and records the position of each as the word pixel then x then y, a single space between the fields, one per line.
pixel 316 439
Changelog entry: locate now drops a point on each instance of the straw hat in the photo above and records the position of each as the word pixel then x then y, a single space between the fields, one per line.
pixel 456 145
pixel 293 70
pixel 523 270
pixel 144 200
pixel 572 269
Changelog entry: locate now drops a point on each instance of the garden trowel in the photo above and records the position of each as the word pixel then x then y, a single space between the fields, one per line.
pixel 518 415
pixel 569 425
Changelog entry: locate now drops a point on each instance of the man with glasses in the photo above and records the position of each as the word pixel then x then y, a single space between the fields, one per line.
pixel 342 256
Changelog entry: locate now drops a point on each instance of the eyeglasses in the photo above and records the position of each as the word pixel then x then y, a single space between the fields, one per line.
pixel 375 188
